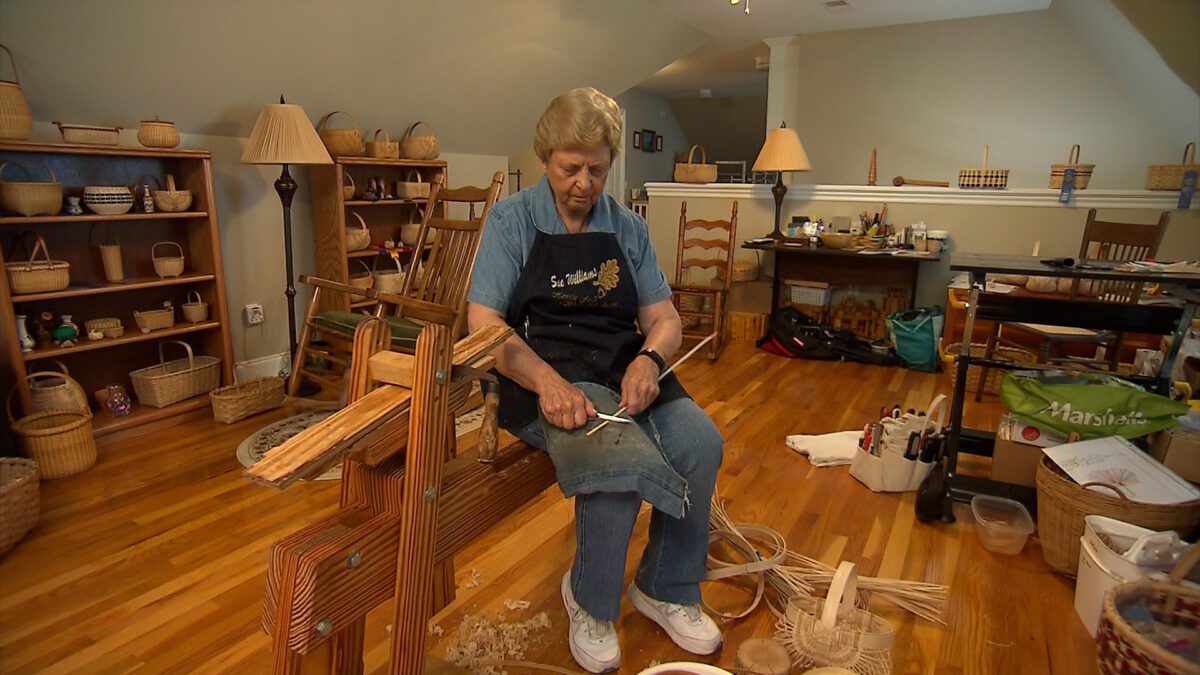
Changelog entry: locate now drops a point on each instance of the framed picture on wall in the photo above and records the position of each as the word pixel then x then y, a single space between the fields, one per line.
pixel 648 140
pixel 658 143
pixel 637 140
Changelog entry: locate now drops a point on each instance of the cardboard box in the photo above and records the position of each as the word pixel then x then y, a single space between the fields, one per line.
pixel 1179 450
pixel 1015 463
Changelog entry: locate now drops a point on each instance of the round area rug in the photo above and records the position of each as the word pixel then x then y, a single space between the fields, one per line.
pixel 257 444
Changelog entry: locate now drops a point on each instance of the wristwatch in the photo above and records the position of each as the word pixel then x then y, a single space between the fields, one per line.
pixel 655 357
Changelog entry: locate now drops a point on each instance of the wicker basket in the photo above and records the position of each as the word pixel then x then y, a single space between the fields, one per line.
pixel 995 375
pixel 30 198
pixel 108 200
pixel 1062 505
pixel 155 319
pixel 419 147
pixel 88 134
pixel 19 500
pixel 364 279
pixel 239 401
pixel 173 381
pixel 1122 649
pixel 195 310
pixel 742 271
pixel 167 266
pixel 1170 176
pixel 52 391
pixel 389 280
pixel 832 631
pixel 1083 172
pixel 412 187
pixel 695 172
pixel 158 133
pixel 60 441
pixel 993 179
pixel 385 149
pixel 16 122
pixel 340 142
pixel 38 276
pixel 348 189
pixel 171 200
pixel 360 238
pixel 110 327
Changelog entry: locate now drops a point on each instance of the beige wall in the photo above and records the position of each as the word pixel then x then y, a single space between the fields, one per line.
pixel 729 128
pixel 646 111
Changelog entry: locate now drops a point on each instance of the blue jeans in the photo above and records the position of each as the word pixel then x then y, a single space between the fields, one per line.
pixel 673 563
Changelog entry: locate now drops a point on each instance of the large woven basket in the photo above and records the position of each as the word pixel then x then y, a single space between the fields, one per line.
pixel 1122 649
pixel 385 149
pixel 419 147
pixel 51 391
pixel 38 276
pixel 1063 504
pixel 16 122
pixel 1170 176
pixel 173 381
pixel 239 401
pixel 340 142
pixel 19 500
pixel 1083 172
pixel 983 177
pixel 31 198
pixel 60 441
pixel 695 172
pixel 167 265
pixel 974 372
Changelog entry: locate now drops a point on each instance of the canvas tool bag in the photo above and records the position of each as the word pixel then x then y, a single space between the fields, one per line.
pixel 691 172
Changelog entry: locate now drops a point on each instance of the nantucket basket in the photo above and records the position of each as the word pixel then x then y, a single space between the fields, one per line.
pixel 51 391
pixel 195 309
pixel 1062 505
pixel 59 440
pixel 171 200
pixel 38 276
pixel 385 149
pixel 16 122
pixel 994 179
pixel 1170 176
pixel 1122 649
pixel 31 198
pixel 412 187
pixel 173 381
pixel 340 142
pixel 358 238
pixel 19 500
pixel 348 187
pixel 388 280
pixel 1083 172
pixel 167 265
pixel 419 147
pixel 239 401
pixel 362 280
pixel 155 319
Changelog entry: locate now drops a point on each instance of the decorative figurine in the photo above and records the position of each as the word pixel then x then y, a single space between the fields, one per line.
pixel 147 200
pixel 42 329
pixel 74 207
pixel 23 335
pixel 118 400
pixel 66 332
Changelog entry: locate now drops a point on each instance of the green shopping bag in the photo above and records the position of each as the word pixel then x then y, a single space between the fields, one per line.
pixel 1092 404
pixel 915 333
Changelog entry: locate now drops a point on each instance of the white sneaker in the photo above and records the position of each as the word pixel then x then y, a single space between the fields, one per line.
pixel 593 642
pixel 687 625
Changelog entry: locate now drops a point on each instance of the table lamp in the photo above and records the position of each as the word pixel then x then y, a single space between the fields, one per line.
pixel 284 135
pixel 782 152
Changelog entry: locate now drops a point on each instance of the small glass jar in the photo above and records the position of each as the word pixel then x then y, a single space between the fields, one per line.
pixel 118 400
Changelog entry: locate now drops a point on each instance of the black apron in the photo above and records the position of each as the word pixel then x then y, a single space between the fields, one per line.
pixel 575 304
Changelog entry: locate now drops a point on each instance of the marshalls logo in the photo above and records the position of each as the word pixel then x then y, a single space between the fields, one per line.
pixel 1086 417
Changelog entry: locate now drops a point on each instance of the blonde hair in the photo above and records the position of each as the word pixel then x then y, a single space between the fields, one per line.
pixel 579 118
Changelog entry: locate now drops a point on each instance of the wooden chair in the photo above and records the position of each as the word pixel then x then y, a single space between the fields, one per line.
pixel 440 277
pixel 703 273
pixel 1102 240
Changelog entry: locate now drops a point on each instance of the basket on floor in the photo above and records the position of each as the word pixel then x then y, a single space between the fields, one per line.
pixel 172 381
pixel 831 631
pixel 1122 649
pixel 239 401
pixel 974 372
pixel 59 440
pixel 1063 504
pixel 19 506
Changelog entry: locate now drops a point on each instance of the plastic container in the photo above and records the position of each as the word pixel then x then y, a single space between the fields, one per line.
pixel 1003 524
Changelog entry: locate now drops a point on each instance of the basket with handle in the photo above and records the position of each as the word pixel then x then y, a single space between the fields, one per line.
pixel 16 122
pixel 38 276
pixel 413 186
pixel 385 149
pixel 155 319
pixel 19 499
pixel 167 265
pixel 413 146
pixel 693 172
pixel 1170 176
pixel 363 279
pixel 992 179
pixel 51 390
pixel 358 238
pixel 347 186
pixel 110 327
pixel 388 280
pixel 59 440
pixel 31 198
pixel 340 142
pixel 1083 172
pixel 171 200
pixel 239 401
pixel 1122 649
pixel 195 309
pixel 1063 504
pixel 169 382
pixel 831 631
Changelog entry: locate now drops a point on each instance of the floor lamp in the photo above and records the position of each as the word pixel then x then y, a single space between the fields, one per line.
pixel 284 135
pixel 782 152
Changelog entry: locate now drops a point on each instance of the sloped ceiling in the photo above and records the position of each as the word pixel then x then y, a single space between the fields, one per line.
pixel 1173 27
pixel 479 71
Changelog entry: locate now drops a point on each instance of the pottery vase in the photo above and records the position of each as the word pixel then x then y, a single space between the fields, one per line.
pixel 23 335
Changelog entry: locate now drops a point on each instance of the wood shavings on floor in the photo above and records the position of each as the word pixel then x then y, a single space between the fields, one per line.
pixel 472 579
pixel 516 605
pixel 482 638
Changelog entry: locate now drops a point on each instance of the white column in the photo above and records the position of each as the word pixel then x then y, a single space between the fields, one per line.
pixel 783 81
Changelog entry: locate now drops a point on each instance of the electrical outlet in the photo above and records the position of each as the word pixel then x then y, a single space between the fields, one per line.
pixel 253 314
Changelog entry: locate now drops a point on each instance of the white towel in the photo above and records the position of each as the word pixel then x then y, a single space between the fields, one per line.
pixel 826 449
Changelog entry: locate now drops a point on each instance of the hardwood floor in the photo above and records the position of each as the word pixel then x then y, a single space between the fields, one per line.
pixel 154 560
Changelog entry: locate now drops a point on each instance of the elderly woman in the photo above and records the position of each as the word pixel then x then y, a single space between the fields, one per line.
pixel 573 272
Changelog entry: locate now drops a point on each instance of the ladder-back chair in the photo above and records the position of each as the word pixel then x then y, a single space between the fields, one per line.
pixel 703 273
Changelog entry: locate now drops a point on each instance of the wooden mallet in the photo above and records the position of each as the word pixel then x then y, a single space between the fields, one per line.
pixel 901 181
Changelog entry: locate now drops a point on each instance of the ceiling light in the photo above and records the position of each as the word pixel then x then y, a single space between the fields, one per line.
pixel 838 6
pixel 735 2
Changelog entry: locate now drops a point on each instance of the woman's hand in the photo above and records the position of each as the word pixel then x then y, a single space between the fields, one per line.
pixel 563 404
pixel 639 387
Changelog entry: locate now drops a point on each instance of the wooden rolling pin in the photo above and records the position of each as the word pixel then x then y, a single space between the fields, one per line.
pixel 901 181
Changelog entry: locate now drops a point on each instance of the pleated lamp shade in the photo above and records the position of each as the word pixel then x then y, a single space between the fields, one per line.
pixel 283 134
pixel 782 152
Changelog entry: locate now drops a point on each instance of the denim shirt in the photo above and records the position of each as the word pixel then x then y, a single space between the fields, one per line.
pixel 508 237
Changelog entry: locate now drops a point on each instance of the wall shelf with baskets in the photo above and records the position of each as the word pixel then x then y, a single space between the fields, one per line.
pixel 336 196
pixel 116 265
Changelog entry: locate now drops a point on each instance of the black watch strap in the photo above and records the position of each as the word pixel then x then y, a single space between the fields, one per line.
pixel 656 358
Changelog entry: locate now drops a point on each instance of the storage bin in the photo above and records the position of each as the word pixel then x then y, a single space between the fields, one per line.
pixel 1003 524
